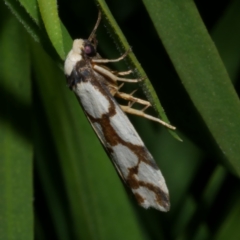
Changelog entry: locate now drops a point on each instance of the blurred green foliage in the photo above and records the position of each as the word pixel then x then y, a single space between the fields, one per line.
pixel 189 51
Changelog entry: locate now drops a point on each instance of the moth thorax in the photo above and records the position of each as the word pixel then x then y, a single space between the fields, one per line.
pixel 77 46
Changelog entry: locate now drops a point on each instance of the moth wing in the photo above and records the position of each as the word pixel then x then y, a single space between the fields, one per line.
pixel 131 158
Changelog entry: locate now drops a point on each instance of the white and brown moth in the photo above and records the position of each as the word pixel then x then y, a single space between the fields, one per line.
pixel 95 86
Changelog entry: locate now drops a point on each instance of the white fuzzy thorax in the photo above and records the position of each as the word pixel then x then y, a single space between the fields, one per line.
pixel 73 56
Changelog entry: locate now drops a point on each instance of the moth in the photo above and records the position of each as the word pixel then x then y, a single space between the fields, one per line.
pixel 96 87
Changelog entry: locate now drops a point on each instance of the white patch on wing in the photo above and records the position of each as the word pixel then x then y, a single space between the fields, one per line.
pixel 124 128
pixel 148 196
pixel 124 158
pixel 149 199
pixel 73 56
pixel 151 175
pixel 93 101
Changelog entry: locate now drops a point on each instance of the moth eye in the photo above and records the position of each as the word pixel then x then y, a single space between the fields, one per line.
pixel 89 50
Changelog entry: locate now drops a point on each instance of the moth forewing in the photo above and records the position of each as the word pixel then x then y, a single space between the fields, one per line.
pixel 95 91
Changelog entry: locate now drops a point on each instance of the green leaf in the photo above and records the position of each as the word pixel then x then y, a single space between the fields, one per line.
pixel 227 39
pixel 31 8
pixel 24 18
pixel 28 15
pixel 49 13
pixel 201 70
pixel 16 152
pixel 230 228
pixel 77 192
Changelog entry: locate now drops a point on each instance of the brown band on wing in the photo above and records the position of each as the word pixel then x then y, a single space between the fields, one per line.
pixel 139 198
pixel 161 197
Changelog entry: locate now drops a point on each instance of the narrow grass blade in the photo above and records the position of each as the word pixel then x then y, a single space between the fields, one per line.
pixel 16 151
pixel 201 70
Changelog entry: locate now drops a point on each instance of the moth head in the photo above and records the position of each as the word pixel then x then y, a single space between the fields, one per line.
pixel 84 47
pixel 89 49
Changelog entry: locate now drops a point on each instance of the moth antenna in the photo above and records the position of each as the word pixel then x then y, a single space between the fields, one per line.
pixel 92 35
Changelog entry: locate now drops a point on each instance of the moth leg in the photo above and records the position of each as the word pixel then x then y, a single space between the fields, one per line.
pixel 140 113
pixel 120 86
pixel 132 99
pixel 120 73
pixel 102 60
pixel 113 77
pixel 124 73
